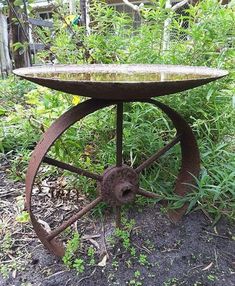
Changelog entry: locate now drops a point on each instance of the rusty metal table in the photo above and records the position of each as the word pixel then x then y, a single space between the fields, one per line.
pixel 114 85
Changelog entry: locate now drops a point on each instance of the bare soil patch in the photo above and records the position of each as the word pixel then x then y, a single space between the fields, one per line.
pixel 192 253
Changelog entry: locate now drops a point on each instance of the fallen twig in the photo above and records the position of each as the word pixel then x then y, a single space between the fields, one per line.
pixel 142 248
pixel 55 274
pixel 103 248
pixel 86 277
pixel 207 267
pixel 195 267
pixel 216 258
pixel 218 235
pixel 8 193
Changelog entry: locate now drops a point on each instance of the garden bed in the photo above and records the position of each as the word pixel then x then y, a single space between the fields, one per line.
pixel 193 252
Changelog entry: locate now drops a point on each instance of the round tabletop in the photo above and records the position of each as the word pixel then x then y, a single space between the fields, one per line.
pixel 120 82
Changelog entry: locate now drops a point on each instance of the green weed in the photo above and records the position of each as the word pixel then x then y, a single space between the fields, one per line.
pixel 71 250
pixel 78 265
pixel 91 255
pixel 143 260
pixel 136 279
pixel 72 258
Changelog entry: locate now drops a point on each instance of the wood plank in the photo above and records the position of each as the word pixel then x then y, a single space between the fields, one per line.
pixel 40 22
pixel 37 47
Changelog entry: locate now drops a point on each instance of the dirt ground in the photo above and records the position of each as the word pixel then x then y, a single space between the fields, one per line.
pixel 192 253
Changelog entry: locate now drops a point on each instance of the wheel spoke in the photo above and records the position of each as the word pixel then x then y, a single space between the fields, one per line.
pixel 157 155
pixel 147 194
pixel 72 219
pixel 71 168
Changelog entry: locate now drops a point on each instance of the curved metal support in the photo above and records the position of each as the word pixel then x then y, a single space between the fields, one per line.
pixel 190 165
pixel 54 132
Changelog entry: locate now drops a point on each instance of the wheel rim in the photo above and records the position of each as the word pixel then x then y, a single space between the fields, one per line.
pixel 126 186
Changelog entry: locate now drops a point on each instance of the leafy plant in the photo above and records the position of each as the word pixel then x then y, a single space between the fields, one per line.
pixel 23 217
pixel 124 236
pixel 143 259
pixel 136 279
pixel 91 255
pixel 71 249
pixel 78 265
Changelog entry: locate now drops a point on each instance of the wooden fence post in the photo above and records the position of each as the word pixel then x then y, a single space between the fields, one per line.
pixel 18 35
pixel 5 61
pixel 84 8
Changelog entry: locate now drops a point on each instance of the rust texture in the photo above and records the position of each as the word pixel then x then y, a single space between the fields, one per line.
pixel 118 184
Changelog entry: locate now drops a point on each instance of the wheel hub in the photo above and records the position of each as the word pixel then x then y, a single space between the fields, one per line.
pixel 119 185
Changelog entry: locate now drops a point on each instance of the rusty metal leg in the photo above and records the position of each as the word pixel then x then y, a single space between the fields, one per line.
pixel 50 136
pixel 119 134
pixel 118 216
pixel 119 143
pixel 190 165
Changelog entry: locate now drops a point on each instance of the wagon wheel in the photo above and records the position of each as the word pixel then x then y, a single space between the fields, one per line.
pixel 118 184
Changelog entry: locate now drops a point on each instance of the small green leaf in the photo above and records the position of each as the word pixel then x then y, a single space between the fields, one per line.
pixel 2 112
pixel 17 46
pixel 209 93
pixel 23 217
